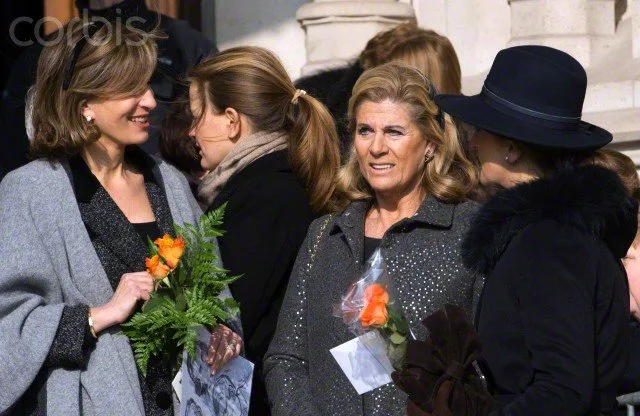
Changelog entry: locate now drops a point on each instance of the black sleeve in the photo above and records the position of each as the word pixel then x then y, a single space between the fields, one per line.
pixel 263 233
pixel 73 341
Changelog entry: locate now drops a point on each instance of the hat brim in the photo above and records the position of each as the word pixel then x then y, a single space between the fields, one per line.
pixel 475 111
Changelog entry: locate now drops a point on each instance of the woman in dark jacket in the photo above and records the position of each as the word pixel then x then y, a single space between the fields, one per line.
pixel 554 312
pixel 405 186
pixel 273 155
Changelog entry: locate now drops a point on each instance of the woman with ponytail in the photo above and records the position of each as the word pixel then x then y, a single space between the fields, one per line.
pixel 403 190
pixel 272 153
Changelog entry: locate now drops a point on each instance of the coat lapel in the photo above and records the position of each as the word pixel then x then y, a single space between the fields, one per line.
pixel 350 224
pixel 431 213
pixel 92 282
pixel 104 219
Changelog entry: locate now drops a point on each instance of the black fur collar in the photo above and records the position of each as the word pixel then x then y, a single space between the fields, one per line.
pixel 588 198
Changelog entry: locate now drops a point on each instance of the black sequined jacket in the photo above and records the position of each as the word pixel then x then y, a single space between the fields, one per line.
pixel 422 255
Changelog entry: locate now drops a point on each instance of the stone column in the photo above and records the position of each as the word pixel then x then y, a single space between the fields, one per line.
pixel 573 26
pixel 338 30
pixel 478 29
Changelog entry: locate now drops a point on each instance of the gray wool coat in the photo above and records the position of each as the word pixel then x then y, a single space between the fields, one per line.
pixel 48 261
pixel 423 257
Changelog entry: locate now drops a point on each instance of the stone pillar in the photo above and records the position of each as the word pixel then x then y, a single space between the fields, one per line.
pixel 478 29
pixel 635 18
pixel 338 30
pixel 573 26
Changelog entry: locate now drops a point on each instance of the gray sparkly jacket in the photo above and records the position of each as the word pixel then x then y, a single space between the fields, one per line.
pixel 49 261
pixel 423 256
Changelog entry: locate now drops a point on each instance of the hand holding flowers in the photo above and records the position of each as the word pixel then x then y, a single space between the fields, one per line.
pixel 367 306
pixel 132 288
pixel 186 284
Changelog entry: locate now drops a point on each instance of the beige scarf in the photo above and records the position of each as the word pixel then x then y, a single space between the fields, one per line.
pixel 245 152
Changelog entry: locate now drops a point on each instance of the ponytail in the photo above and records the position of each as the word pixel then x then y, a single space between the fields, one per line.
pixel 314 151
pixel 253 81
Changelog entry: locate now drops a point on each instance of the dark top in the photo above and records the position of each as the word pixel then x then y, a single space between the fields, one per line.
pixel 422 255
pixel 147 230
pixel 182 48
pixel 370 245
pixel 265 222
pixel 554 312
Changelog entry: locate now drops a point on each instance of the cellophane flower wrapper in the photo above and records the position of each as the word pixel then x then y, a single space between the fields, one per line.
pixel 368 305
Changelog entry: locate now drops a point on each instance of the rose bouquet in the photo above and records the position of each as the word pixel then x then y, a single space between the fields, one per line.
pixel 368 306
pixel 187 285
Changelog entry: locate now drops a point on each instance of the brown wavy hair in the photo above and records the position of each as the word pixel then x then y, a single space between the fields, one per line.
pixel 252 81
pixel 623 166
pixel 117 62
pixel 450 176
pixel 426 50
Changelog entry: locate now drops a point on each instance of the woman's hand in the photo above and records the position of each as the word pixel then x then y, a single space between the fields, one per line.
pixel 223 346
pixel 132 288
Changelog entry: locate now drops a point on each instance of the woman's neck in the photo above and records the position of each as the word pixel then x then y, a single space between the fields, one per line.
pixel 105 160
pixel 517 178
pixel 389 209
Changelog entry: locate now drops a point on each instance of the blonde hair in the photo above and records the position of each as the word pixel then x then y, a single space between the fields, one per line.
pixel 450 176
pixel 252 81
pixel 426 50
pixel 116 62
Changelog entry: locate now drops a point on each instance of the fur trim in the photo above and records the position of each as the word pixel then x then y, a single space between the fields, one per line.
pixel 590 198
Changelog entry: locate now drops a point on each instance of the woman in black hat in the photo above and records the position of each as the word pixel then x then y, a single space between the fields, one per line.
pixel 554 313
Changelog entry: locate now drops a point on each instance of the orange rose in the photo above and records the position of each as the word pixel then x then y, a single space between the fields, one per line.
pixel 157 269
pixel 170 249
pixel 375 312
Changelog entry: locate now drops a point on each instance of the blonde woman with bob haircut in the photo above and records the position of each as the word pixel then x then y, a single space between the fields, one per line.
pixel 75 223
pixel 272 153
pixel 403 190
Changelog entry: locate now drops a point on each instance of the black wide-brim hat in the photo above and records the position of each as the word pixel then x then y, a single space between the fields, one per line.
pixel 532 94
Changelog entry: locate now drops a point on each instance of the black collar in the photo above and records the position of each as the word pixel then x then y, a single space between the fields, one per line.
pixel 591 199
pixel 85 184
pixel 432 213
pixel 106 223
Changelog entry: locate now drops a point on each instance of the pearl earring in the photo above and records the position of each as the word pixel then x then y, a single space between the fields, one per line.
pixel 506 158
pixel 89 118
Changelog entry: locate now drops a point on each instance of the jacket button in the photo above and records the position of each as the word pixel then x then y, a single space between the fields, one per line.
pixel 164 400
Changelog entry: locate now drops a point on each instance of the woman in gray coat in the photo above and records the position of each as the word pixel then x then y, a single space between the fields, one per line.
pixel 405 181
pixel 75 225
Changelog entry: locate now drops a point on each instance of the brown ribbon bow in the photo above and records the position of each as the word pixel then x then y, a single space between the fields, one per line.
pixel 438 373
